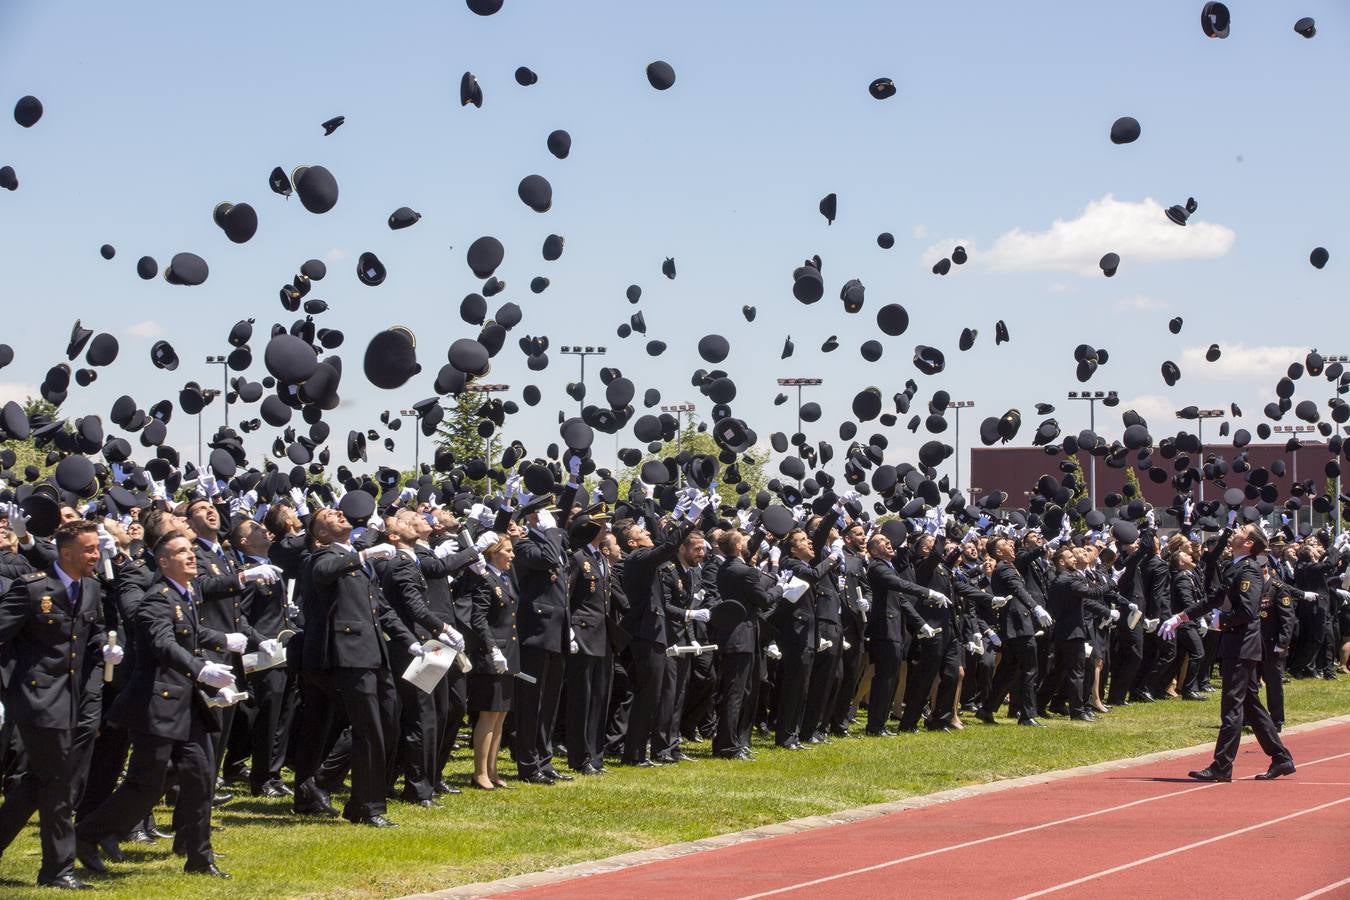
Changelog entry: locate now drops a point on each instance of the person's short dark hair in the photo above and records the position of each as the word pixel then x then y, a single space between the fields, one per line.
pixel 621 528
pixel 161 548
pixel 70 532
pixel 689 538
pixel 274 522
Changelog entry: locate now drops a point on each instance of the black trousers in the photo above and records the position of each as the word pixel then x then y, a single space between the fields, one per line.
pixel 195 772
pixel 1242 705
pixel 620 703
pixel 794 677
pixel 370 702
pixel 588 681
pixel 827 671
pixel 87 720
pixel 700 708
pixel 886 677
pixel 937 658
pixel 648 674
pixel 737 689
pixel 44 788
pixel 1162 654
pixel 416 742
pixel 670 709
pixel 1312 620
pixel 451 706
pixel 535 708
pixel 1065 681
pixel 1272 673
pixel 1016 672
pixel 1191 648
pixel 1127 655
pixel 270 690
pixel 1211 645
pixel 851 663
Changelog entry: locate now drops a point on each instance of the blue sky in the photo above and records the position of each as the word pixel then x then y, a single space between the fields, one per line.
pixel 157 111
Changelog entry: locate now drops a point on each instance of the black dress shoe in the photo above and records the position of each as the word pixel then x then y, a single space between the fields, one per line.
pixel 442 787
pixel 207 869
pixel 681 756
pixel 664 759
pixel 742 754
pixel 1032 723
pixel 885 732
pixel 558 776
pixel 1192 695
pixel 909 729
pixel 840 732
pixel 313 801
pixel 986 717
pixel 1276 770
pixel 426 804
pixel 1209 773
pixel 87 853
pixel 1082 717
pixel 108 847
pixel 221 798
pixel 158 833
pixel 139 836
pixel 538 778
pixel 65 882
pixel 639 763
pixel 375 821
pixel 588 769
pixel 271 792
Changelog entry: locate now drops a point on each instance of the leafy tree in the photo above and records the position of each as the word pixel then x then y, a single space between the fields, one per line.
pixel 458 433
pixel 690 439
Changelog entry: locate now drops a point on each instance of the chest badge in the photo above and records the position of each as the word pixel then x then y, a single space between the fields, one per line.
pixel 1245 586
pixel 46 605
pixel 498 590
pixel 177 613
pixel 1285 601
pixel 215 569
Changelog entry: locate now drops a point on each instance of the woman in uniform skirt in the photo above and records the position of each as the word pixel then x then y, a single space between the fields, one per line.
pixel 496 654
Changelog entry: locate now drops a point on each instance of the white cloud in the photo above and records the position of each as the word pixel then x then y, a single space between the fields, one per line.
pixel 335 254
pixel 920 232
pixel 1239 362
pixel 944 248
pixel 147 329
pixel 1155 408
pixel 1139 232
pixel 1139 303
pixel 17 391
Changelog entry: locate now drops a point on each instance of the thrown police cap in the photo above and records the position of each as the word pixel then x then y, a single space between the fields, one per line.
pixel 163 356
pixel 1319 257
pixel 289 359
pixel 929 360
pixel 1109 263
pixel 8 180
pixel 1174 325
pixel 369 270
pixel 485 255
pixel 356 446
pixel 358 506
pixel 810 411
pixel 1215 20
pixel 852 294
pixel 1001 334
pixel 317 187
pixel 102 350
pixel 1125 130
pixel 1171 373
pixel 331 125
pixel 79 336
pixel 1213 353
pixel 748 312
pixel 525 76
pixel 638 322
pixel 660 75
pixel 576 434
pixel 885 240
pixel 967 339
pixel 29 109
pixel 881 88
pixel 713 348
pixel 871 350
pixel 107 251
pixel 1306 27
pixel 470 92
pixel 536 193
pixel 559 143
pixel 186 269
pixel 403 217
pixel 239 221
pixel 807 284
pixel 147 268
pixel 829 207
pixel 279 182
pixel 668 268
pixel 553 247
pixel 942 266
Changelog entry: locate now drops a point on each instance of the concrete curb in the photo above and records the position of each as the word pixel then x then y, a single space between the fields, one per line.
pixel 843 817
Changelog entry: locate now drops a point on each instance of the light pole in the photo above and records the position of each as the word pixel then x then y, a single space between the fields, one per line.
pixel 799 383
pixel 412 414
pixel 224 364
pixel 489 390
pixel 1200 416
pixel 207 396
pixel 582 352
pixel 679 409
pixel 1296 430
pixel 959 405
pixel 1092 397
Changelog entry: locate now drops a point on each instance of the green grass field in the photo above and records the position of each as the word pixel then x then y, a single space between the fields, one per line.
pixel 478 836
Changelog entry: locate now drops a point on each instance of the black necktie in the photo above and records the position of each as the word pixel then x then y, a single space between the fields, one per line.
pixel 76 591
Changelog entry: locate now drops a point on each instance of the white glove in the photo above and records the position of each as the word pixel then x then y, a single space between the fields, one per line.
pixel 407 494
pixel 299 501
pixel 452 639
pixel 994 639
pixel 446 548
pixel 107 544
pixel 236 642
pixel 775 553
pixel 847 646
pixel 513 485
pixel 939 598
pixel 697 615
pixel 1202 626
pixel 18 521
pixel 1087 649
pixel 379 551
pixel 263 573
pixel 485 540
pixel 848 497
pixel 292 610
pixel 270 647
pixel 927 631
pixel 1309 595
pixel 999 602
pixel 498 661
pixel 1169 628
pixel 416 650
pixel 157 490
pixel 1043 617
pixel 574 467
pixel 972 647
pixel 1115 615
pixel 864 605
pixel 2 715
pixel 216 675
pixel 1344 595
pixel 1134 607
pixel 375 523
pixel 1150 625
pixel 822 645
pixel 772 651
pixel 572 647
pixel 836 557
pixel 698 505
pixel 112 654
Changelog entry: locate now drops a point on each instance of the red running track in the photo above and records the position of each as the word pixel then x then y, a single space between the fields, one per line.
pixel 1144 831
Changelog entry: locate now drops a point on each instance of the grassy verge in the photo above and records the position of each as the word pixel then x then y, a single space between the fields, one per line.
pixel 477 836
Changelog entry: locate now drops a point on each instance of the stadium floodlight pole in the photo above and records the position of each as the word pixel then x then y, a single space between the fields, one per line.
pixel 799 383
pixel 207 396
pixel 1092 397
pixel 224 364
pixel 583 352
pixel 679 409
pixel 489 390
pixel 959 405
pixel 1296 430
pixel 1200 416
pixel 417 453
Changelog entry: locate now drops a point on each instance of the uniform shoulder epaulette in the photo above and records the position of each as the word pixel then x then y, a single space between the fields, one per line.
pixel 137 563
pixel 30 577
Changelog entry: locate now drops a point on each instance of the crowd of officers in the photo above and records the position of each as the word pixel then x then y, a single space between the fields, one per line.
pixel 583 635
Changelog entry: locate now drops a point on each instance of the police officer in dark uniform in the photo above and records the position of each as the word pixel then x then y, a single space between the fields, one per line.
pixel 1239 602
pixel 51 633
pixel 1019 620
pixel 590 668
pixel 744 594
pixel 891 625
pixel 1277 635
pixel 1074 602
pixel 682 596
pixel 856 595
